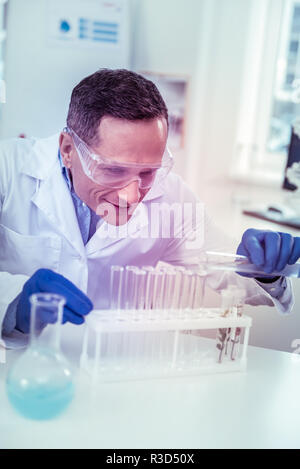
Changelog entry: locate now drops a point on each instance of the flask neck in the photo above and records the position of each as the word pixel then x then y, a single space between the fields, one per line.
pixel 46 320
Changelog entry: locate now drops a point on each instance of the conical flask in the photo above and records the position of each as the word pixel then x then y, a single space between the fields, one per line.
pixel 40 384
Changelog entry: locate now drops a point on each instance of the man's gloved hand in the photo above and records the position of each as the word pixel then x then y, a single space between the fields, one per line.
pixel 46 281
pixel 271 251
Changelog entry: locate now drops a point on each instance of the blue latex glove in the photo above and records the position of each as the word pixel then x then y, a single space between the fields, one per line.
pixel 46 281
pixel 269 250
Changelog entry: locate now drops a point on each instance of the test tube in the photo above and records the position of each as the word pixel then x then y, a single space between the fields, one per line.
pixel 158 304
pixel 183 284
pixel 148 286
pixel 185 288
pixel 238 263
pixel 129 293
pixel 116 286
pixel 158 278
pixel 116 291
pixel 198 298
pixel 179 271
pixel 232 302
pixel 188 344
pixel 191 288
pixel 130 296
pixel 139 292
pixel 142 289
pixel 169 290
pixel 160 288
pixel 235 336
pixel 227 301
pixel 223 336
pixel 239 300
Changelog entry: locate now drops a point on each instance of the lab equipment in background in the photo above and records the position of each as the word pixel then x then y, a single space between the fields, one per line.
pixel 292 157
pixel 286 213
pixel 40 384
pixel 161 332
pixel 293 176
pixel 211 260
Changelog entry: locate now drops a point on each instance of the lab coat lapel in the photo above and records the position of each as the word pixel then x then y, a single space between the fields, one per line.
pixel 53 196
pixel 54 199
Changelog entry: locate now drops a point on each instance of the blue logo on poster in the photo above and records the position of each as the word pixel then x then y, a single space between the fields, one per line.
pixel 64 26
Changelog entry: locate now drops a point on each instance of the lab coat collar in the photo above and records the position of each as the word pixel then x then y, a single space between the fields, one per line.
pixel 53 195
pixel 41 160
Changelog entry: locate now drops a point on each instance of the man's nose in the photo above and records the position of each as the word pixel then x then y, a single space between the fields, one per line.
pixel 130 194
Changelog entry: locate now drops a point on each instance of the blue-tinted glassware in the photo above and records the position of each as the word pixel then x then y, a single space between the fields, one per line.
pixel 40 384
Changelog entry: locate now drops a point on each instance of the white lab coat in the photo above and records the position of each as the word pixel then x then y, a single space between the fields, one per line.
pixel 39 228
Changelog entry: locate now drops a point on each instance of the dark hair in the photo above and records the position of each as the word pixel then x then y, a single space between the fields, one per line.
pixel 117 93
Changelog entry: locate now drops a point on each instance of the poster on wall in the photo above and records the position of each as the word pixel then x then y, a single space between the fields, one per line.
pixel 95 24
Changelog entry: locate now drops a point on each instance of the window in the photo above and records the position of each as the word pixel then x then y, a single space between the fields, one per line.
pixel 270 100
pixel 286 98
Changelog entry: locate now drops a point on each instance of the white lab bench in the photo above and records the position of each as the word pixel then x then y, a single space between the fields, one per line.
pixel 256 409
pixel 259 408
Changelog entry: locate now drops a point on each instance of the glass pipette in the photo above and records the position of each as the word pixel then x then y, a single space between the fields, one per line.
pixel 227 261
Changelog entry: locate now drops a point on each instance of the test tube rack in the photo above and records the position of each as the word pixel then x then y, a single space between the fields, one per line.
pixel 155 326
pixel 163 343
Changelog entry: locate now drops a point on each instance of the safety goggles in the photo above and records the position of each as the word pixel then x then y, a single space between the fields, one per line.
pixel 115 174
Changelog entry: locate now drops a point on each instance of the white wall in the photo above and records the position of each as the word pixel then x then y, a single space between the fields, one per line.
pixel 40 77
pixel 165 35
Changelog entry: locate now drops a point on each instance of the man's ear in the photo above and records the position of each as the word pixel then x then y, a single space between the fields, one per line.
pixel 66 148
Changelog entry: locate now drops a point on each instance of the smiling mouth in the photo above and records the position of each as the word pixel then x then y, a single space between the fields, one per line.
pixel 129 208
pixel 119 214
pixel 120 207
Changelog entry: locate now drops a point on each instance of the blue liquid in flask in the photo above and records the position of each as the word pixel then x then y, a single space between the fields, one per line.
pixel 40 383
pixel 40 402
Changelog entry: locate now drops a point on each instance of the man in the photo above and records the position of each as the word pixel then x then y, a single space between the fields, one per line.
pixel 98 195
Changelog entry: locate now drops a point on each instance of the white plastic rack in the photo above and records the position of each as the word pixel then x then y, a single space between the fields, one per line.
pixel 141 344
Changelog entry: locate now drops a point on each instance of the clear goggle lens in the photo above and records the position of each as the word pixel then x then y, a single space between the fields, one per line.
pixel 116 174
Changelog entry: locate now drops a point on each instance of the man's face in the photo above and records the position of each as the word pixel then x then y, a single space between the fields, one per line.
pixel 123 141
